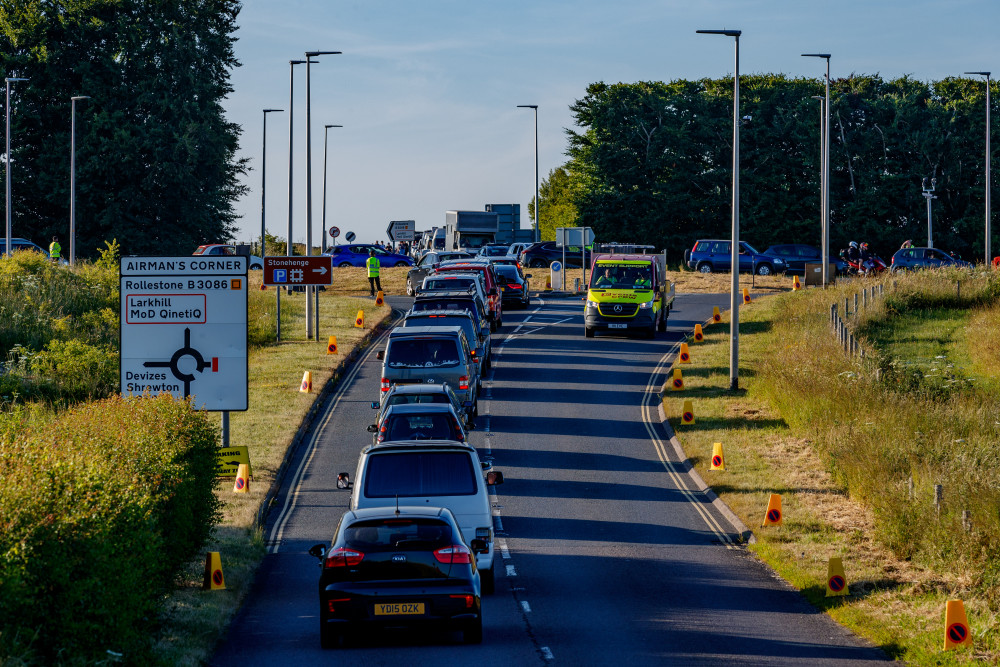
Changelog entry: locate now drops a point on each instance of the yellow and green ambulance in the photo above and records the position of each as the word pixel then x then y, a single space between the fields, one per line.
pixel 628 294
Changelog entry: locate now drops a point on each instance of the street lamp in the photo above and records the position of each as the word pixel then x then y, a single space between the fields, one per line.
pixel 72 177
pixel 309 61
pixel 822 169
pixel 9 161
pixel 326 136
pixel 263 186
pixel 988 181
pixel 734 304
pixel 825 170
pixel 538 204
pixel 928 189
pixel 290 250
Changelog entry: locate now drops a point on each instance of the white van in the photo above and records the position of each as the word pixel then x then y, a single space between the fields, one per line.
pixel 432 473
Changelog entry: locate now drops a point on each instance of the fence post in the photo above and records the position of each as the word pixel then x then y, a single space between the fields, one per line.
pixel 855 303
pixel 938 497
pixel 958 289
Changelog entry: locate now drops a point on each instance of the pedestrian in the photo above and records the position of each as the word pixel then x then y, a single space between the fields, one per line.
pixel 373 267
pixel 55 250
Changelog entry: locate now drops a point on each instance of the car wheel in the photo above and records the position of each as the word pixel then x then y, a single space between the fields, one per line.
pixel 400 263
pixel 409 287
pixel 764 270
pixel 588 332
pixel 489 580
pixel 343 264
pixel 473 632
pixel 328 637
pixel 705 267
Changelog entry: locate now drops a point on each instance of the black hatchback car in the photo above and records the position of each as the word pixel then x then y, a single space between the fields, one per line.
pixel 542 254
pixel 513 285
pixel 797 255
pixel 391 567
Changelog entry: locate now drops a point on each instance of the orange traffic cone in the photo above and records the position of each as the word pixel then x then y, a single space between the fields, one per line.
pixel 307 383
pixel 379 298
pixel 956 626
pixel 242 484
pixel 795 284
pixel 746 295
pixel 836 581
pixel 773 515
pixel 331 345
pixel 699 335
pixel 677 384
pixel 684 357
pixel 213 581
pixel 718 458
pixel 716 315
pixel 687 416
pixel 359 321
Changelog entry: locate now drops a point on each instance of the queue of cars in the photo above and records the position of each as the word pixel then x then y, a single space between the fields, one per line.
pixel 416 547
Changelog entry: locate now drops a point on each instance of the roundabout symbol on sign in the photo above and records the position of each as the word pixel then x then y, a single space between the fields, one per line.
pixel 174 364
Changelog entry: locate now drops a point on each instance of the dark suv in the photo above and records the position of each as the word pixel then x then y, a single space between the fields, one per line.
pixel 540 255
pixel 797 255
pixel 708 256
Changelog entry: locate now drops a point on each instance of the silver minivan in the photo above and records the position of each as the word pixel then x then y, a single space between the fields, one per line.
pixel 431 355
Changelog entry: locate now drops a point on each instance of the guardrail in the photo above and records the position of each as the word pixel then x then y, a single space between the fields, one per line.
pixel 839 324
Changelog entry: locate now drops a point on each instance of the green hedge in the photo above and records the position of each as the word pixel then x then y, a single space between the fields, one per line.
pixel 99 507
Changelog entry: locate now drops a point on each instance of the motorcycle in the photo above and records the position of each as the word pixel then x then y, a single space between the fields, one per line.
pixel 870 265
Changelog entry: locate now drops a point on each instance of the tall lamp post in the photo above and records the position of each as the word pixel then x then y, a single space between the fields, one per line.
pixel 326 137
pixel 290 250
pixel 72 177
pixel 988 181
pixel 309 245
pixel 928 195
pixel 734 304
pixel 825 171
pixel 7 166
pixel 822 169
pixel 263 186
pixel 538 204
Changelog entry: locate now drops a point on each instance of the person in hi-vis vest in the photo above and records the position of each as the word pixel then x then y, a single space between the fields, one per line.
pixel 55 250
pixel 373 266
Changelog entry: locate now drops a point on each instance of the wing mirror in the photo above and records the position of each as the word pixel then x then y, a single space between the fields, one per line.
pixel 527 275
pixel 494 477
pixel 375 405
pixel 372 428
pixel 477 545
pixel 344 481
pixel 380 355
pixel 318 550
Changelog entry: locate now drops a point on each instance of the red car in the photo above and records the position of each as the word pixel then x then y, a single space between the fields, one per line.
pixel 494 305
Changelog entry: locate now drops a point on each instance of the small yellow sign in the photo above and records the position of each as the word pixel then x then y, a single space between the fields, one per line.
pixel 228 460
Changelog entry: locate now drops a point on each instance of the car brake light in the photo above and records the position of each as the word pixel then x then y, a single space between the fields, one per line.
pixel 385 384
pixel 330 603
pixel 463 382
pixel 343 557
pixel 456 554
pixel 513 286
pixel 469 599
pixel 457 430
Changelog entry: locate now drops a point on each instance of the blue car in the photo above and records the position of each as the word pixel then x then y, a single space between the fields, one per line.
pixel 797 255
pixel 924 258
pixel 709 256
pixel 356 254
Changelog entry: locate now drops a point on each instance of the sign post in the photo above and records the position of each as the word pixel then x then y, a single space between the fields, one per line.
pixel 299 271
pixel 576 236
pixel 184 329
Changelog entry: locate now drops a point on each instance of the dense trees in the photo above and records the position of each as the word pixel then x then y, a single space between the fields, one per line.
pixel 652 161
pixel 156 164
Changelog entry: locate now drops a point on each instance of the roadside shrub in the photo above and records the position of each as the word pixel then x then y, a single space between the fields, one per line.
pixel 99 507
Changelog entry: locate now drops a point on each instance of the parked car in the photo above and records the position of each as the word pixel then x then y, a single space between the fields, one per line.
pixel 425 266
pixel 797 255
pixel 426 421
pixel 356 254
pixel 477 335
pixel 407 394
pixel 514 286
pixel 542 254
pixel 418 355
pixel 224 249
pixel 395 565
pixel 494 306
pixel 708 256
pixel 923 258
pixel 434 473
pixel 19 245
pixel 493 250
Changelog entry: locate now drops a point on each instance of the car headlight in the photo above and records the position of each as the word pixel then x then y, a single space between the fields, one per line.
pixel 591 304
pixel 645 305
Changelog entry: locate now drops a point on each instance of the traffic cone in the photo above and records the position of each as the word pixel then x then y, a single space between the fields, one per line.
pixel 685 356
pixel 213 581
pixel 956 626
pixel 307 383
pixel 677 384
pixel 242 484
pixel 359 321
pixel 773 515
pixel 698 334
pixel 718 459
pixel 687 416
pixel 836 582
pixel 746 295
pixel 795 284
pixel 263 287
pixel 548 283
pixel 716 315
pixel 331 345
pixel 379 298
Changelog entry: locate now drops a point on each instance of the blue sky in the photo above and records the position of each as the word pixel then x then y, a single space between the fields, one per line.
pixel 427 89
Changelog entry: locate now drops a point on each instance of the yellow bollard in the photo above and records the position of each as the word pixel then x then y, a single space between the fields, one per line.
pixel 716 315
pixel 795 284
pixel 718 458
pixel 836 581
pixel 956 626
pixel 379 298
pixel 307 383
pixel 699 335
pixel 242 484
pixel 773 515
pixel 746 296
pixel 359 321
pixel 331 345
pixel 685 356
pixel 677 384
pixel 687 416
pixel 213 581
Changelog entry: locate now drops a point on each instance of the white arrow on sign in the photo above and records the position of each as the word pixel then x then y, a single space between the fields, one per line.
pixel 321 270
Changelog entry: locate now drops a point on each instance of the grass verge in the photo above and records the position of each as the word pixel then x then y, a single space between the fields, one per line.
pixel 840 444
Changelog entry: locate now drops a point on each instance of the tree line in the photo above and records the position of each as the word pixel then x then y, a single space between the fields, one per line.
pixel 156 162
pixel 652 162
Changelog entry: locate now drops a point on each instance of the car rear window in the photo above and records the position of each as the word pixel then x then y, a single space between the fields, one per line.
pixel 397 534
pixel 407 399
pixel 422 353
pixel 445 303
pixel 419 427
pixel 410 474
pixel 454 283
pixel 507 271
pixel 443 321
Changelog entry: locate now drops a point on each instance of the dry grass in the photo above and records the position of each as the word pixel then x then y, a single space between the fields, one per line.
pixel 194 620
pixel 816 427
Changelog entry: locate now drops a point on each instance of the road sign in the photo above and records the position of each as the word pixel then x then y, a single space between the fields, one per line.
pixel 401 230
pixel 350 237
pixel 294 271
pixel 184 329
pixel 334 232
pixel 574 236
pixel 228 460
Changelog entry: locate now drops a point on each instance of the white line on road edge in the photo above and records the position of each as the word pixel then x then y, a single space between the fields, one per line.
pixel 525 606
pixel 504 551
pixel 511 571
pixel 546 653
pixel 274 540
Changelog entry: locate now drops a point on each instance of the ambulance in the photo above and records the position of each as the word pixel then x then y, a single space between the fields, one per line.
pixel 628 294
